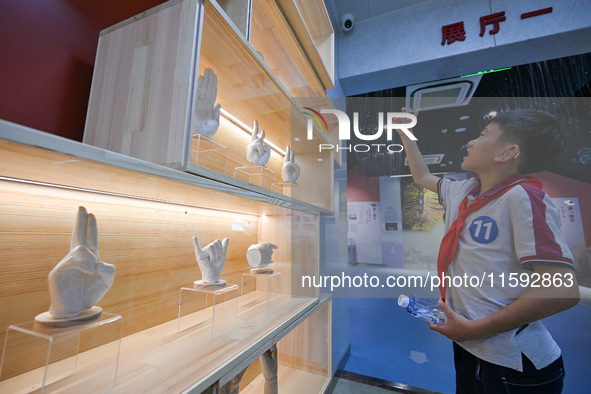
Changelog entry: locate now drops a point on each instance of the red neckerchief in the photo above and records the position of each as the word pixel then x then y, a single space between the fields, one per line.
pixel 447 249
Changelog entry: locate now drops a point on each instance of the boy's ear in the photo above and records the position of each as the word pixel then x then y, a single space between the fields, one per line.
pixel 511 152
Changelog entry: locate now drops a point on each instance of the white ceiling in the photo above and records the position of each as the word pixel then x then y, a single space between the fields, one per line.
pixel 367 9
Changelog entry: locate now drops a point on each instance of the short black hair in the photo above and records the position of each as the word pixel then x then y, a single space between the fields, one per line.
pixel 539 135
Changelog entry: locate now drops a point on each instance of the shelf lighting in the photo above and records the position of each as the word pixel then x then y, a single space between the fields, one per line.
pixel 249 130
pixel 105 193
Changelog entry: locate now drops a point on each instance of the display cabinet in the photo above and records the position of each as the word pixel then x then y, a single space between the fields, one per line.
pixel 144 88
pixel 283 34
pixel 153 184
pixel 310 23
pixel 147 215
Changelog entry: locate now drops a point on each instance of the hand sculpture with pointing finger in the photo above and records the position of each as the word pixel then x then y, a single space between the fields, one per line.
pixel 207 112
pixel 256 151
pixel 211 260
pixel 290 171
pixel 80 279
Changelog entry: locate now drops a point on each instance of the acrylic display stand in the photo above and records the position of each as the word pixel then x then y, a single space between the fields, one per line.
pixel 260 288
pixel 284 188
pixel 208 153
pixel 215 306
pixel 58 357
pixel 257 175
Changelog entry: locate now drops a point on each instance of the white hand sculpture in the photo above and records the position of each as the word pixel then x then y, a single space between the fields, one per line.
pixel 257 152
pixel 259 255
pixel 211 259
pixel 80 280
pixel 207 112
pixel 290 171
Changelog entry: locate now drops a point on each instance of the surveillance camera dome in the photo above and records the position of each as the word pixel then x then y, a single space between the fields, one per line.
pixel 347 22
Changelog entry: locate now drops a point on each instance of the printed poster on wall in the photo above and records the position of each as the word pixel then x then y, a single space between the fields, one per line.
pixel 571 227
pixel 365 231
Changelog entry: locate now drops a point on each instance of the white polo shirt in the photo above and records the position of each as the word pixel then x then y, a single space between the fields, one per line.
pixel 495 250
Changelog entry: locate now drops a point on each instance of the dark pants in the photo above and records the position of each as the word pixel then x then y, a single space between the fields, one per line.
pixel 475 376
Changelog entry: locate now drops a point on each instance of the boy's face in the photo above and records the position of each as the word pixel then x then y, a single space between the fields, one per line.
pixel 483 150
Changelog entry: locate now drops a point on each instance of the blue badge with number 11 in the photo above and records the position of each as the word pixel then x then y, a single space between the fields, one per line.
pixel 484 229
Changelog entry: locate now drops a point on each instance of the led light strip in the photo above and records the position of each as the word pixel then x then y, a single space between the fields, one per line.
pixel 65 187
pixel 249 130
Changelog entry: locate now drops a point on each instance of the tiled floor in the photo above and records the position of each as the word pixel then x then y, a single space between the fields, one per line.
pixel 351 383
pixel 404 349
pixel 345 386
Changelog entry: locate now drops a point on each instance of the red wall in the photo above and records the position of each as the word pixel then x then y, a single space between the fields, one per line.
pixel 47 50
pixel 361 188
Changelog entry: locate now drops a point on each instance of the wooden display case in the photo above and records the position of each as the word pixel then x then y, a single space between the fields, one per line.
pixel 147 215
pixel 138 171
pixel 274 35
pixel 311 24
pixel 142 106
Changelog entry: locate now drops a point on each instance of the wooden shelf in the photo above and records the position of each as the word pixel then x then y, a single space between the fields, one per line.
pixel 123 190
pixel 161 359
pixel 60 161
pixel 310 22
pixel 153 197
pixel 143 91
pixel 272 35
pixel 247 86
pixel 274 197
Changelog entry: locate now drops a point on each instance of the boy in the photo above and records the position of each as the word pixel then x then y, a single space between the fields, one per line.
pixel 506 227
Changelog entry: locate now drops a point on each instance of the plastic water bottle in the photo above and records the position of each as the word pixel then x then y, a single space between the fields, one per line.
pixel 423 309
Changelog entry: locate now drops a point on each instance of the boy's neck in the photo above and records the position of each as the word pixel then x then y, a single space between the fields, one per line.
pixel 490 179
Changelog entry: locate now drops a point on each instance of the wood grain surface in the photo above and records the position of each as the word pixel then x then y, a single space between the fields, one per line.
pixel 142 84
pixel 299 15
pixel 145 227
pixel 141 104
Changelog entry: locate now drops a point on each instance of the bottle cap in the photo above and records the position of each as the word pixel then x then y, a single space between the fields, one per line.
pixel 403 300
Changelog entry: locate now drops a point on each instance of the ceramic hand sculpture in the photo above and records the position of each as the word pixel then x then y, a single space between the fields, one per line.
pixel 207 112
pixel 257 152
pixel 80 280
pixel 259 255
pixel 290 171
pixel 211 260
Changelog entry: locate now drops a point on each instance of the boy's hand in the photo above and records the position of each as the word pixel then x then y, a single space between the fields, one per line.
pixel 418 168
pixel 457 327
pixel 404 120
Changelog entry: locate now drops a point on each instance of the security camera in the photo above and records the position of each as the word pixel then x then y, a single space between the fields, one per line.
pixel 347 22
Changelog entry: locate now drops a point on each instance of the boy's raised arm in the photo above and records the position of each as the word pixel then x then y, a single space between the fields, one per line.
pixel 418 168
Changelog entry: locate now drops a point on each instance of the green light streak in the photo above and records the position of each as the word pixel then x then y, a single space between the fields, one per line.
pixel 272 112
pixel 486 72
